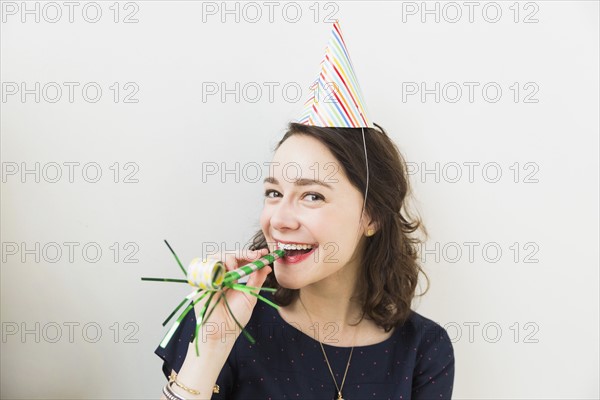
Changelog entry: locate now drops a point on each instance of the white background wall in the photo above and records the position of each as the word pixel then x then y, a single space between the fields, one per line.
pixel 524 322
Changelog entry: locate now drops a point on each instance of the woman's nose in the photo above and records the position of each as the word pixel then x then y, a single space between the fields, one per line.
pixel 284 217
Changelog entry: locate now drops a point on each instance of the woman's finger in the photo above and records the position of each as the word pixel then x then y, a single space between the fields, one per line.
pixel 233 261
pixel 258 278
pixel 230 261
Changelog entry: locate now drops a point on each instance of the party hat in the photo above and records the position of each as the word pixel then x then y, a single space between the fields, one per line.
pixel 336 100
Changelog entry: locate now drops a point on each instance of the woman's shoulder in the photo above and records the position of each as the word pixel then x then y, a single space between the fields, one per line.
pixel 427 336
pixel 420 326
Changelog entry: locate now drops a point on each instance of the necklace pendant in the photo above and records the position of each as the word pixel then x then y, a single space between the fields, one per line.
pixel 340 396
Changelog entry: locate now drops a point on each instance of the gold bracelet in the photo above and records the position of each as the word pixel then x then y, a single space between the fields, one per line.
pixel 173 379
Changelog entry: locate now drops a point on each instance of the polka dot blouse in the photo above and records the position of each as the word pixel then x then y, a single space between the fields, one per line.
pixel 416 362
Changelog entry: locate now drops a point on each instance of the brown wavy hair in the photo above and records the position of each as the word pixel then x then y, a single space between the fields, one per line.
pixel 387 284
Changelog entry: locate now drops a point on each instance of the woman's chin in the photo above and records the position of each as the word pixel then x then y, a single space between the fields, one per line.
pixel 289 285
pixel 286 281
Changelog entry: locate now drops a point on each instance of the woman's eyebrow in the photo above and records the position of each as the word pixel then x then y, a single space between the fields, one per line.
pixel 299 182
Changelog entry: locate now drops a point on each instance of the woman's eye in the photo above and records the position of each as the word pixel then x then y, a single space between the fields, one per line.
pixel 269 192
pixel 312 197
pixel 315 196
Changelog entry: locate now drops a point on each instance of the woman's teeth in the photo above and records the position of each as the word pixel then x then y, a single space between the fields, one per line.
pixel 290 246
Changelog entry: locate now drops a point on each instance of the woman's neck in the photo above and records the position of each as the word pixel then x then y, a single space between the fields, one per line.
pixel 326 311
pixel 331 301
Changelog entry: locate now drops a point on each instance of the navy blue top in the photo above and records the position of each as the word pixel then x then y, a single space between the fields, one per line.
pixel 416 362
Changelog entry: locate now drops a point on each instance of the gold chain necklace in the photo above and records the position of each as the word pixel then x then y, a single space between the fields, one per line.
pixel 339 388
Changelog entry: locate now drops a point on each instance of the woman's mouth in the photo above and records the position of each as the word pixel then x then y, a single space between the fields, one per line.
pixel 296 252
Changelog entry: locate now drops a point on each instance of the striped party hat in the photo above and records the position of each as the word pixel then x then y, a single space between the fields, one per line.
pixel 336 99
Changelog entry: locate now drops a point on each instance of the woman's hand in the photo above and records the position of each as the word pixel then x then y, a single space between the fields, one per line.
pixel 220 325
pixel 219 333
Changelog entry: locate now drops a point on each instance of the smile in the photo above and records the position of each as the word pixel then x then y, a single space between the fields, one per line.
pixel 296 252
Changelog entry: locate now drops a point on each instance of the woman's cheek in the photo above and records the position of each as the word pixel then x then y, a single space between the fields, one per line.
pixel 264 221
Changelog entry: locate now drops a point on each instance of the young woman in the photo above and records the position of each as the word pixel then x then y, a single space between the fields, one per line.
pixel 345 328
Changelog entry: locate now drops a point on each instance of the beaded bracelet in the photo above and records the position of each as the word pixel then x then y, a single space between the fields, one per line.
pixel 169 394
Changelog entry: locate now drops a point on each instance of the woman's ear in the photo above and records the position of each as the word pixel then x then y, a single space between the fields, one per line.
pixel 372 228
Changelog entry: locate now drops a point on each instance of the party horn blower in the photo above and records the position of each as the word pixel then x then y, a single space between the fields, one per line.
pixel 211 278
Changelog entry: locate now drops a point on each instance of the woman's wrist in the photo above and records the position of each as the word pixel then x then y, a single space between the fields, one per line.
pixel 218 335
pixel 199 373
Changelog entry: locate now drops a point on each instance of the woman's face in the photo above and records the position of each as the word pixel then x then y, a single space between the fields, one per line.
pixel 310 201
